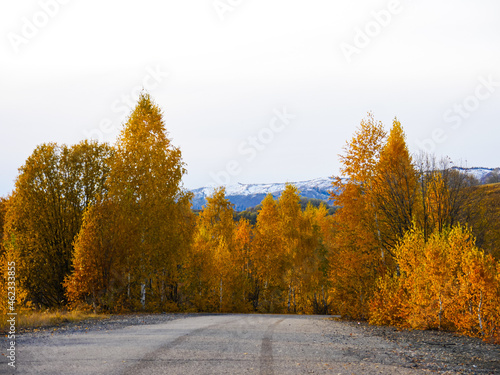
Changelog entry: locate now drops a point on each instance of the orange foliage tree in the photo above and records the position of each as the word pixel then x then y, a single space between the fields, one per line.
pixel 57 183
pixel 356 252
pixel 315 284
pixel 217 269
pixel 4 275
pixel 268 259
pixel 445 282
pixel 290 256
pixel 100 260
pixel 146 204
pixel 145 183
pixel 394 191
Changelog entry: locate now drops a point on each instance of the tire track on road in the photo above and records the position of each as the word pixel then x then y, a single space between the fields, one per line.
pixel 151 357
pixel 141 365
pixel 266 350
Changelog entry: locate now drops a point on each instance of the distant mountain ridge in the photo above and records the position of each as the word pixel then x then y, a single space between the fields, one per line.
pixel 244 196
pixel 479 173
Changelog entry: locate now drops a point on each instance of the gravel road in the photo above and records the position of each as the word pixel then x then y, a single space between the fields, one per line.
pixel 246 344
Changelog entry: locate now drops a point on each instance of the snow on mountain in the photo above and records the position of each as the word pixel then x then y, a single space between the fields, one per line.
pixel 244 196
pixel 320 185
pixel 480 174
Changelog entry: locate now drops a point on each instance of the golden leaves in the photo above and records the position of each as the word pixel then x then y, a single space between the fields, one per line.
pixel 446 282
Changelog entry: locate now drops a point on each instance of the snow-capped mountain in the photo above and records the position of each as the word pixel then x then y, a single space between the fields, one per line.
pixel 244 196
pixel 480 174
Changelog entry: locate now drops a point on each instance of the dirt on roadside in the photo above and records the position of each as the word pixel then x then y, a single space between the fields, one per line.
pixel 438 351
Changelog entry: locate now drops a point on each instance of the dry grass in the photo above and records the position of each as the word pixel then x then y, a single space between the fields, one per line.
pixel 35 319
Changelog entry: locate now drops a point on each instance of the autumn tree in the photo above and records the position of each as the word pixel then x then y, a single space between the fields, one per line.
pixel 3 212
pixel 488 235
pixel 54 187
pixel 3 258
pixel 446 196
pixel 356 253
pixel 289 256
pixel 476 311
pixel 303 252
pixel 242 262
pixel 146 189
pixel 295 251
pixel 99 267
pixel 268 259
pixel 446 282
pixel 216 265
pixel 315 267
pixel 394 191
pixel 384 197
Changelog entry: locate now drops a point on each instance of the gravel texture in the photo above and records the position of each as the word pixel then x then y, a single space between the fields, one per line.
pixel 423 351
pixel 438 351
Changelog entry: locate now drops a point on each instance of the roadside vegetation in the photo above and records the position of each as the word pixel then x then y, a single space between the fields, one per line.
pixel 29 319
pixel 92 227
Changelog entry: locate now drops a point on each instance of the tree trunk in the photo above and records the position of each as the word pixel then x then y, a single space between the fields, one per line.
pixel 143 295
pixel 220 295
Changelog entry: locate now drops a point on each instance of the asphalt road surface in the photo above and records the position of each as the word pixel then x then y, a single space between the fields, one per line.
pixel 216 344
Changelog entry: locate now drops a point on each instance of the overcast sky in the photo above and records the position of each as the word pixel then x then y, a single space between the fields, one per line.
pixel 254 90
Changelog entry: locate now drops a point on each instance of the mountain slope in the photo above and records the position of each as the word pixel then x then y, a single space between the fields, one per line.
pixel 483 175
pixel 244 196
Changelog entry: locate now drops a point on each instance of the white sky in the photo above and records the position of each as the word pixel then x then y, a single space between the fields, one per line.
pixel 65 77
